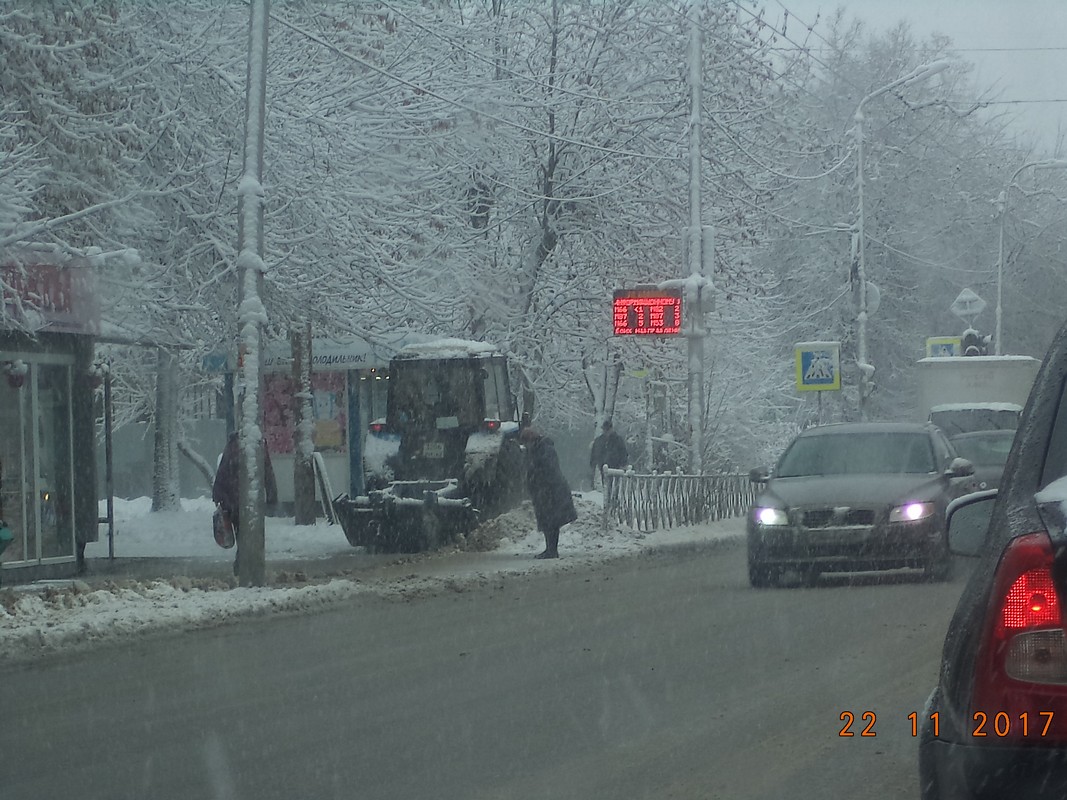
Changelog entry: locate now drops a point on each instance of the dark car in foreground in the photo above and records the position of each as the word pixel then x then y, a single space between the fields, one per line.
pixel 855 497
pixel 995 726
pixel 988 451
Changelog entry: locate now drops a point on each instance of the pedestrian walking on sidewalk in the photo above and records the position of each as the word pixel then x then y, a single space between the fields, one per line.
pixel 609 449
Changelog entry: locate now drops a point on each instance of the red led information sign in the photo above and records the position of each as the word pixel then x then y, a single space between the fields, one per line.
pixel 647 312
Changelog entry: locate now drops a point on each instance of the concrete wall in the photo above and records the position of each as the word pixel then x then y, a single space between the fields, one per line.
pixel 572 447
pixel 132 459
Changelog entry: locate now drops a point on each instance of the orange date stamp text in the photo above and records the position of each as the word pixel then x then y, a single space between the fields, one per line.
pixel 999 725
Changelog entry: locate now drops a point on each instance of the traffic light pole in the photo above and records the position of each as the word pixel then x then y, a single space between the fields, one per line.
pixel 250 313
pixel 694 325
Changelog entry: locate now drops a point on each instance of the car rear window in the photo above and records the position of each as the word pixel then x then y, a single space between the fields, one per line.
pixel 858 453
pixel 991 451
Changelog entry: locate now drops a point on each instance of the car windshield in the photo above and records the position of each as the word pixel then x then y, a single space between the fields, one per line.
pixel 426 391
pixel 857 453
pixel 984 450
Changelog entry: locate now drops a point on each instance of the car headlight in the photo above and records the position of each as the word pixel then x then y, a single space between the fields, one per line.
pixel 766 515
pixel 911 512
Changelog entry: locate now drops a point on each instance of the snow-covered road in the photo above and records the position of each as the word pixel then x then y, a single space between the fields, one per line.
pixel 50 617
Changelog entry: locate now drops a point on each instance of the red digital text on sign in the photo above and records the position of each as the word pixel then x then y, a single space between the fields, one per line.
pixel 652 316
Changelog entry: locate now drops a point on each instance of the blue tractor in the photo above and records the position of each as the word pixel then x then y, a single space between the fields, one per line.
pixel 445 456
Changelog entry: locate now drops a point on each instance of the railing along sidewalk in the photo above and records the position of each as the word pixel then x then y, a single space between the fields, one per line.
pixel 668 500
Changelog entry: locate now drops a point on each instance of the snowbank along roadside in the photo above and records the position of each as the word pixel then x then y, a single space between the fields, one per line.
pixel 61 616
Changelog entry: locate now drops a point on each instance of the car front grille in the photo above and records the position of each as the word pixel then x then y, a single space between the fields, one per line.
pixel 837 517
pixel 818 518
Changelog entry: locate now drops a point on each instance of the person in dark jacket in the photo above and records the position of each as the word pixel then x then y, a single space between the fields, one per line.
pixel 608 449
pixel 551 496
pixel 225 491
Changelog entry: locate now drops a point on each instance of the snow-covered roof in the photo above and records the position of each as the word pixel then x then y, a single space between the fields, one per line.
pixel 1055 492
pixel 977 407
pixel 449 348
pixel 37 254
pixel 974 359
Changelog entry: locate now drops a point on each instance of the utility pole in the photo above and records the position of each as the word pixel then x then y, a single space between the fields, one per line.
pixel 251 315
pixel 692 300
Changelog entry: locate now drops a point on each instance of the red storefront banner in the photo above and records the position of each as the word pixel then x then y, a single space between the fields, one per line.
pixel 48 297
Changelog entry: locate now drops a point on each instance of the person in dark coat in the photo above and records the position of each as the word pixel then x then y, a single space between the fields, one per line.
pixel 225 491
pixel 608 449
pixel 551 496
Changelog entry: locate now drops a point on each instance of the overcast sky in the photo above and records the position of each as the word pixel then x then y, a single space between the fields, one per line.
pixel 1003 38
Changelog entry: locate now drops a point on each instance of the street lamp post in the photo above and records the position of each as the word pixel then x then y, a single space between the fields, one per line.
pixel 918 74
pixel 1002 212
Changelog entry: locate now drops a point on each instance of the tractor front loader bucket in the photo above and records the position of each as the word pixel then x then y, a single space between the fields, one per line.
pixel 359 520
pixel 406 516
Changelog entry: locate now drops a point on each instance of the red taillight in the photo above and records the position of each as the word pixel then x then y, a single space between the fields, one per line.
pixel 491 425
pixel 1020 684
pixel 1031 602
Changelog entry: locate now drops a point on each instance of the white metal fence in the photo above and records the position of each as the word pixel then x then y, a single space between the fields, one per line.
pixel 657 501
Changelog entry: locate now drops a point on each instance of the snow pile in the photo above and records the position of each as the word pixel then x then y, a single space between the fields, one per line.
pixel 515 532
pixel 378 449
pixel 54 616
pixel 586 538
pixel 73 616
pixel 187 534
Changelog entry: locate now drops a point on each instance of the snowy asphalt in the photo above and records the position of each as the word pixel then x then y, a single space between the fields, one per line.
pixel 169 574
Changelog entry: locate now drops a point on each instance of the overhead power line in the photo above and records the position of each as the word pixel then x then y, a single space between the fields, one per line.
pixel 1008 49
pixel 954 49
pixel 1019 102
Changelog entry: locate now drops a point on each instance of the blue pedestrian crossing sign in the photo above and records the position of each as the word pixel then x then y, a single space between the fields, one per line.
pixel 818 366
pixel 943 346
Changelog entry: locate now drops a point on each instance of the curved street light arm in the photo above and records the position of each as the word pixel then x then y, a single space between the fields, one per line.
pixel 918 74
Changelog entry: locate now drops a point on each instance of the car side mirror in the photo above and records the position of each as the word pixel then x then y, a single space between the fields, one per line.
pixel 959 468
pixel 968 521
pixel 759 475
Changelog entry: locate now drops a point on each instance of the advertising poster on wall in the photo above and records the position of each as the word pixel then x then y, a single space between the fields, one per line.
pixel 331 411
pixel 277 398
pixel 330 408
